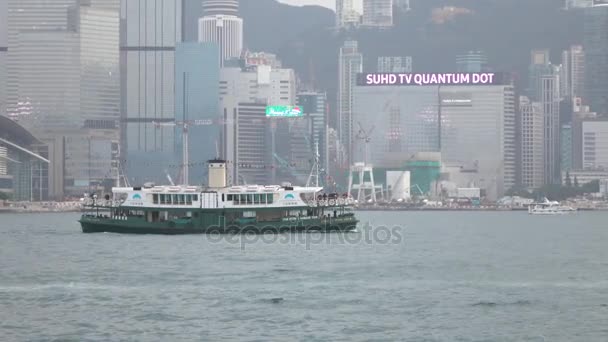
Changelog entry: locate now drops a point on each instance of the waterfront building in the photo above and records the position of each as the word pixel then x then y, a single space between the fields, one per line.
pixel 595 144
pixel 532 144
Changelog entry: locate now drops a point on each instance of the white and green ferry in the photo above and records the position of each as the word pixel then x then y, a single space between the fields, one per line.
pixel 217 208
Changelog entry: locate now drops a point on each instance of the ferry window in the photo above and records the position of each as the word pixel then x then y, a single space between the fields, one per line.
pixel 243 199
pixel 256 198
pixel 188 199
pixel 270 198
pixel 223 198
pixel 249 199
pixel 155 198
pixel 195 198
pixel 229 197
pixel 181 199
pixel 174 199
pixel 162 198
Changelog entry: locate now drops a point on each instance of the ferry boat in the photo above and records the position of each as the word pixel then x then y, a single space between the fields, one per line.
pixel 217 208
pixel 549 208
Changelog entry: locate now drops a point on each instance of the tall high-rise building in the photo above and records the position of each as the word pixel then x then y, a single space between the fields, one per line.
pixel 532 144
pixel 395 64
pixel 197 77
pixel 150 31
pixel 378 13
pixel 580 115
pixel 472 61
pixel 314 105
pixel 68 94
pixel 3 52
pixel 544 88
pixel 221 24
pixel 595 43
pixel 350 64
pixel 548 90
pixel 572 76
pixel 566 163
pixel 26 15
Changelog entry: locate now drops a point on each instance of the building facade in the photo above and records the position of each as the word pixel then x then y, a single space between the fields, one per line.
pixel 572 76
pixel 224 30
pixel 252 145
pixel 548 90
pixel 147 52
pixel 595 145
pixel 403 120
pixel 395 64
pixel 532 144
pixel 378 13
pixel 197 77
pixel 350 64
pixel 68 91
pixel 595 43
pixel 472 61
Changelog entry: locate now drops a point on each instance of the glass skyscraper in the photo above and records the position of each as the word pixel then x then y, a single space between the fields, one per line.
pixel 150 31
pixel 197 76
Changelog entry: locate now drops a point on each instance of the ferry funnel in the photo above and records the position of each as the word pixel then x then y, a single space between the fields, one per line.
pixel 217 173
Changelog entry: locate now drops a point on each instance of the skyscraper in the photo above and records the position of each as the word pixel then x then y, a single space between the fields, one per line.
pixel 548 90
pixel 572 75
pixel 150 31
pixel 346 14
pixel 26 15
pixel 378 13
pixel 595 44
pixel 350 64
pixel 197 76
pixel 68 91
pixel 220 24
pixel 532 144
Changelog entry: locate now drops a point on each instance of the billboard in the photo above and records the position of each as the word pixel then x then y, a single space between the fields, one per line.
pixel 432 79
pixel 284 111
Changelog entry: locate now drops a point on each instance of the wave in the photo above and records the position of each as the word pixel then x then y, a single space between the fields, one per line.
pixel 492 304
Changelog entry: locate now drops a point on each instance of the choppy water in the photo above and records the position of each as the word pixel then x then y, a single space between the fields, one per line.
pixel 449 276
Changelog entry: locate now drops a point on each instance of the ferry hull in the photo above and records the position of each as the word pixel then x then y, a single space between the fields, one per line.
pixel 108 226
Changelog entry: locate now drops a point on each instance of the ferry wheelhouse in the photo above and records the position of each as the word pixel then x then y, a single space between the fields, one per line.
pixel 217 209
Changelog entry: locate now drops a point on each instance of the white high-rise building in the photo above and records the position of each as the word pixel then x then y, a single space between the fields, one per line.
pixel 150 31
pixel 224 30
pixel 572 76
pixel 378 13
pixel 532 143
pixel 239 90
pixel 221 24
pixel 595 144
pixel 350 64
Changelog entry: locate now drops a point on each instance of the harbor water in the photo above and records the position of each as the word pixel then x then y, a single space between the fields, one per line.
pixel 405 276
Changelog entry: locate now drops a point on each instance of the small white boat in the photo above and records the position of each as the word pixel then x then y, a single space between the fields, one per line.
pixel 549 208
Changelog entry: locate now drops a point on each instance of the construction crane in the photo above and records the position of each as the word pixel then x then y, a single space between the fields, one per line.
pixel 365 136
pixel 184 126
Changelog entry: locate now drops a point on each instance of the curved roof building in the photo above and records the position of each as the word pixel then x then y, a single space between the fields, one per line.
pixel 220 7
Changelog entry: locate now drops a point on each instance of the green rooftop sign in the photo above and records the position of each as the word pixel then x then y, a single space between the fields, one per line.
pixel 284 111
